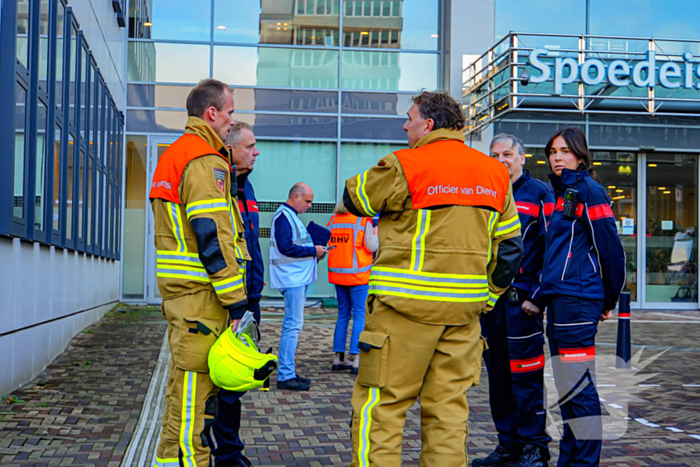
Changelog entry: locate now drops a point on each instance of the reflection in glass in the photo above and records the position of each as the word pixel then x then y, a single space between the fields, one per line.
pixel 103 218
pixel 303 22
pixel 672 222
pixel 151 62
pixel 19 125
pixel 358 157
pixel 81 181
pixel 389 71
pixel 41 154
pixel 542 16
pixel 281 164
pixel 88 238
pixel 391 24
pixel 672 19
pixel 170 19
pixel 59 54
pixel 373 128
pixel 376 103
pixel 69 189
pixel 275 67
pixel 43 42
pixel 70 108
pixel 56 176
pixel 22 45
pixel 84 77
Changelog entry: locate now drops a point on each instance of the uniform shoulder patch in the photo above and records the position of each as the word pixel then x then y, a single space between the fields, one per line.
pixel 220 178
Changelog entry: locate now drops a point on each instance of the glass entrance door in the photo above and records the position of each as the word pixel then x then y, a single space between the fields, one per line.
pixel 671 231
pixel 157 146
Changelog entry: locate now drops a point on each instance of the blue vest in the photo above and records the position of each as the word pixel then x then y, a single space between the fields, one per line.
pixel 291 272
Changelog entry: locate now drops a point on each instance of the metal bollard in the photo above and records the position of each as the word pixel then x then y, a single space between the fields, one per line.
pixel 624 336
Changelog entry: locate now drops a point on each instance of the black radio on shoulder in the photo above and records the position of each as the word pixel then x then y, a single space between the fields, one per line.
pixel 570 202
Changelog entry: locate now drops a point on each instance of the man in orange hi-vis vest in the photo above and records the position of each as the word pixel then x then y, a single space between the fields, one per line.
pixel 351 247
pixel 201 253
pixel 449 238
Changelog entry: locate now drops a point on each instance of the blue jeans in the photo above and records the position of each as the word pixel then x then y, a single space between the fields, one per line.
pixel 351 300
pixel 294 298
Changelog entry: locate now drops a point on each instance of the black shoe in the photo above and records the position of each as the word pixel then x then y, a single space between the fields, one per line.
pixel 501 457
pixel 242 462
pixel 293 385
pixel 533 456
pixel 303 380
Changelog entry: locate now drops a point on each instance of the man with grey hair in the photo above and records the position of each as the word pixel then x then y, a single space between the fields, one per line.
pixel 293 258
pixel 227 446
pixel 514 328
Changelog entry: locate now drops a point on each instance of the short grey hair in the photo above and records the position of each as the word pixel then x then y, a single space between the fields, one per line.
pixel 513 140
pixel 234 136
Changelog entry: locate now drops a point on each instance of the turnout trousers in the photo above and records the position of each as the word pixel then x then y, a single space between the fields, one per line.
pixel 224 437
pixel 401 360
pixel 194 323
pixel 515 363
pixel 572 324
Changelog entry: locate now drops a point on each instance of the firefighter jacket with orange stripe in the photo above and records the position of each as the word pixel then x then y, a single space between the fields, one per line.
pixel 535 201
pixel 583 256
pixel 198 227
pixel 449 233
pixel 349 261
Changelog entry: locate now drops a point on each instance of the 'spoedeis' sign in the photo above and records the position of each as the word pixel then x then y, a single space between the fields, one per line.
pixel 593 71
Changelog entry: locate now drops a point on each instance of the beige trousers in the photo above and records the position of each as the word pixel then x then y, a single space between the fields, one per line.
pixel 401 360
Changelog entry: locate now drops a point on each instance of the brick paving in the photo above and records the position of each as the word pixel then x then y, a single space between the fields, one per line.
pixel 83 409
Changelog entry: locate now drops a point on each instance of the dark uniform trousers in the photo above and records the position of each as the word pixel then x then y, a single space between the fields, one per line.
pixel 572 324
pixel 224 438
pixel 515 363
pixel 402 360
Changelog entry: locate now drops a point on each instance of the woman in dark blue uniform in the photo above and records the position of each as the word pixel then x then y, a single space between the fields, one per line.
pixel 582 277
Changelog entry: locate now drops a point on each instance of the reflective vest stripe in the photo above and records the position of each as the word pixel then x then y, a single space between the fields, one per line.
pixel 166 462
pixel 204 206
pixel 376 288
pixel 239 253
pixel 189 392
pixel 418 244
pixel 174 257
pixel 424 274
pixel 493 217
pixel 429 281
pixel 226 285
pixel 493 298
pixel 350 270
pixel 373 397
pixel 508 226
pixel 177 271
pixel 362 194
pixel 176 221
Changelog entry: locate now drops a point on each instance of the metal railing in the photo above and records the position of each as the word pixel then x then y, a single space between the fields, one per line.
pixel 499 81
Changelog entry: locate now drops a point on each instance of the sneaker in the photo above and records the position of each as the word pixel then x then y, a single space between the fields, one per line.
pixel 533 456
pixel 293 385
pixel 242 462
pixel 301 379
pixel 355 365
pixel 501 457
pixel 340 363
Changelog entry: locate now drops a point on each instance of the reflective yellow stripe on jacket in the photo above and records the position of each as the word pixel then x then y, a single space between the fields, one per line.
pixel 428 286
pixel 508 226
pixel 373 396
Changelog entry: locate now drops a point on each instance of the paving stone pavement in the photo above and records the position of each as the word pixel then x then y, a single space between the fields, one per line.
pixel 94 391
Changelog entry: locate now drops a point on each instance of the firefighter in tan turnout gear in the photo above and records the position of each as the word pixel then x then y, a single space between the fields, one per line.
pixel 449 238
pixel 200 256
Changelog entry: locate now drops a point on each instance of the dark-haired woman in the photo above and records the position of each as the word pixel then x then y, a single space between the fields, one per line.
pixel 583 275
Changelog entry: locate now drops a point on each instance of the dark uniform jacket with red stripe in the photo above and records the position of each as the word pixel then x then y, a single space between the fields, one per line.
pixel 255 269
pixel 535 202
pixel 583 256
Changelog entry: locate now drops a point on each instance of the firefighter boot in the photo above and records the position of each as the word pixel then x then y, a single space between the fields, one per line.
pixel 340 364
pixel 533 456
pixel 500 457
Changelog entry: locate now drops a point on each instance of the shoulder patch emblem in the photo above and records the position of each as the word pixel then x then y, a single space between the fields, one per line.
pixel 220 177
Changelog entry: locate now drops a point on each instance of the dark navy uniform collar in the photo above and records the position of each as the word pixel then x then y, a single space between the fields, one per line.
pixel 568 177
pixel 524 178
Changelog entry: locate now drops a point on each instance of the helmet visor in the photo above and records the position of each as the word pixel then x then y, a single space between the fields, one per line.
pixel 248 331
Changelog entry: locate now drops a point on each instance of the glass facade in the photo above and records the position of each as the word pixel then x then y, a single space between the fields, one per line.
pixel 53 157
pixel 324 83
